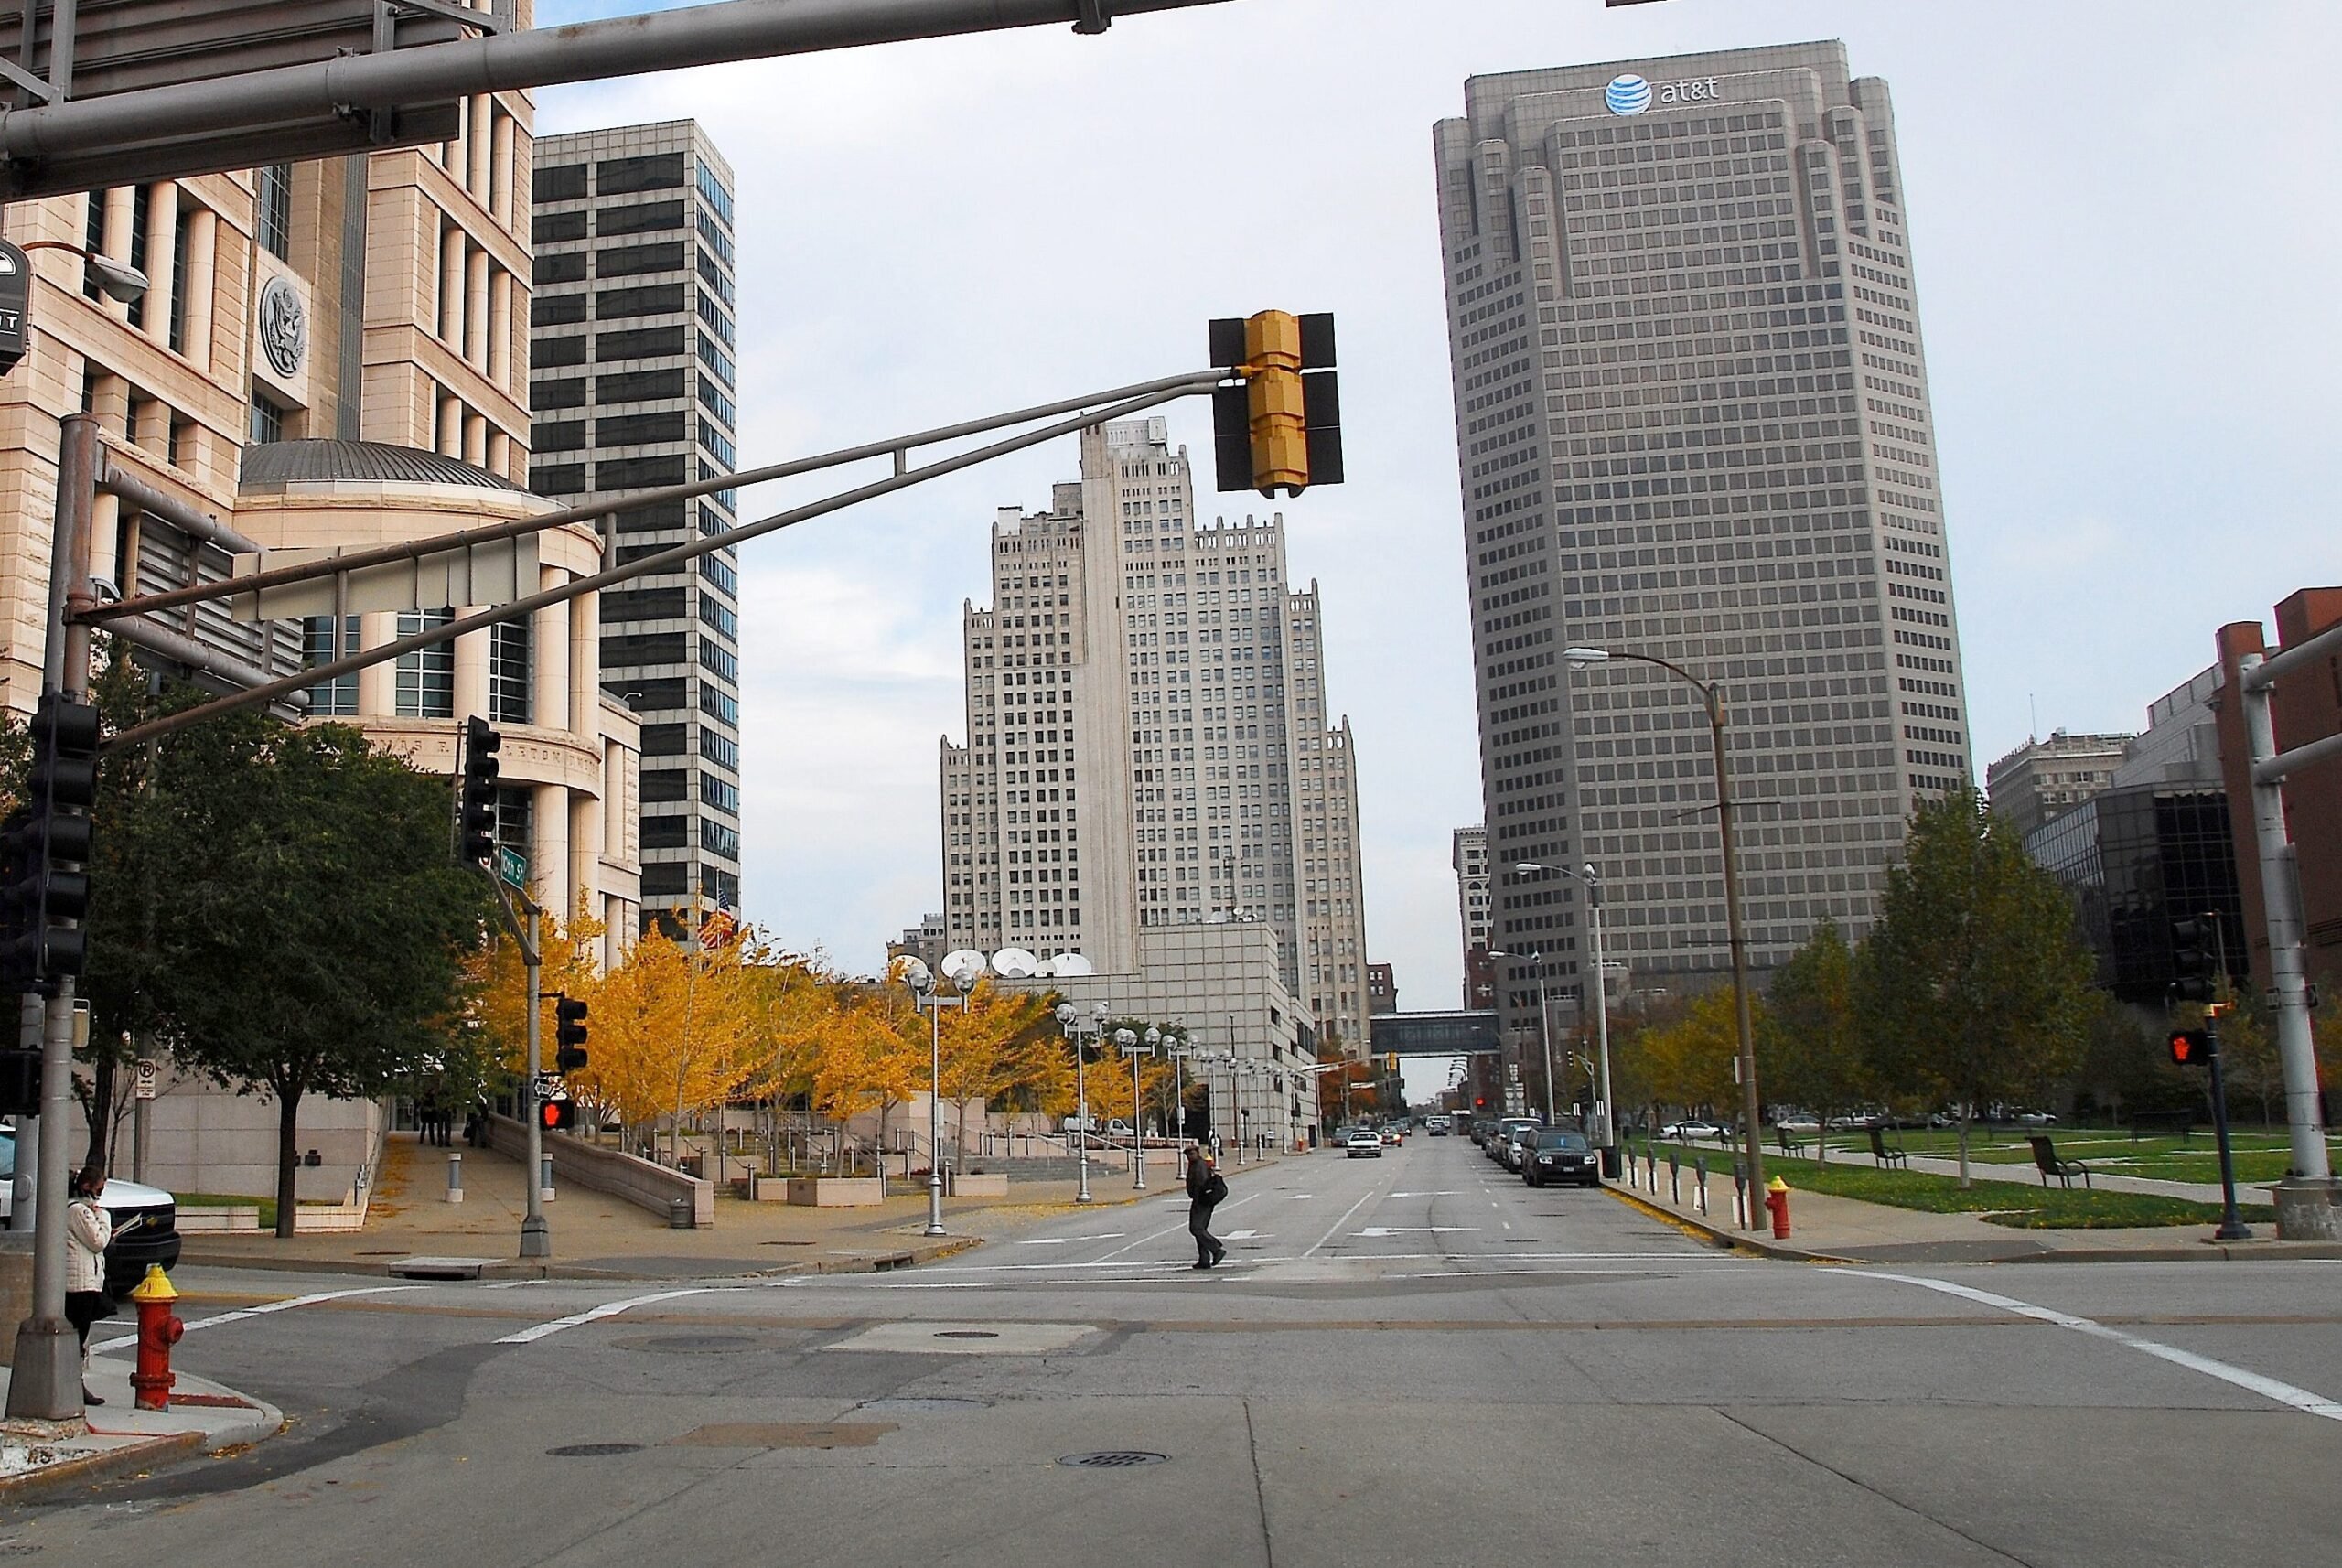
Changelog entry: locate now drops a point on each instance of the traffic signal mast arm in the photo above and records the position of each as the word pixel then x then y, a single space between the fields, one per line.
pixel 1127 401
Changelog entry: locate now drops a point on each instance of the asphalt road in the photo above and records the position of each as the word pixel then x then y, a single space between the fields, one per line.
pixel 1412 1359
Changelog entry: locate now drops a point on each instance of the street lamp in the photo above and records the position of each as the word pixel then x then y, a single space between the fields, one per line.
pixel 1606 1111
pixel 1071 1019
pixel 116 280
pixel 926 997
pixel 1712 697
pixel 1132 1045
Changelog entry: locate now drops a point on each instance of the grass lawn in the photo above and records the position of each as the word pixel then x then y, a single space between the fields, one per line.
pixel 2260 1156
pixel 2018 1204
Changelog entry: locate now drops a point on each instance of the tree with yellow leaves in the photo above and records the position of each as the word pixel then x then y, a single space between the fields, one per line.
pixel 866 1057
pixel 993 1045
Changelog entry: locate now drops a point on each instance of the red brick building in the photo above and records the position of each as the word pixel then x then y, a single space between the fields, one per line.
pixel 2305 707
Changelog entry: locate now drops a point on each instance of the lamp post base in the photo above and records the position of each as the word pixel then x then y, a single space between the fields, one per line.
pixel 2309 1208
pixel 536 1238
pixel 935 1203
pixel 45 1384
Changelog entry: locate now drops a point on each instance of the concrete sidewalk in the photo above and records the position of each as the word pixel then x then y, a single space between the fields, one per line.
pixel 121 1439
pixel 595 1236
pixel 1829 1230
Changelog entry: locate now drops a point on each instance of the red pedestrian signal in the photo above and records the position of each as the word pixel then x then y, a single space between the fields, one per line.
pixel 556 1115
pixel 2191 1048
pixel 1479 1102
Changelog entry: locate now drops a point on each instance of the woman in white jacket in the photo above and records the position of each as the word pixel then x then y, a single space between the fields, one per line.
pixel 88 1230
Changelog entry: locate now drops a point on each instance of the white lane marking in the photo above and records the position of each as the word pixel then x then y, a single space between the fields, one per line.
pixel 1415 1230
pixel 1244 1235
pixel 2267 1387
pixel 1345 1220
pixel 1043 1241
pixel 1166 1230
pixel 1301 1196
pixel 513 1285
pixel 595 1315
pixel 1458 1193
pixel 287 1304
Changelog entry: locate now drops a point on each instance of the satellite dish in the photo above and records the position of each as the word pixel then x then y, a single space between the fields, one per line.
pixel 1015 963
pixel 914 974
pixel 1045 968
pixel 962 960
pixel 1071 965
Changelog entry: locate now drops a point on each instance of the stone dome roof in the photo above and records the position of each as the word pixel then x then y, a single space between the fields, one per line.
pixel 273 465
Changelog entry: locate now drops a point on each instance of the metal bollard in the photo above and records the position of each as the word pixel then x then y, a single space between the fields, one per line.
pixel 1674 1180
pixel 1699 1174
pixel 544 1179
pixel 455 1179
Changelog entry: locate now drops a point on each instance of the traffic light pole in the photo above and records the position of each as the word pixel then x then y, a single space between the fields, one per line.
pixel 45 1378
pixel 536 1234
pixel 2232 1227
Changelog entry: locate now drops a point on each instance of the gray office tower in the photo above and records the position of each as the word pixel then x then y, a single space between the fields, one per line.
pixel 1692 420
pixel 633 338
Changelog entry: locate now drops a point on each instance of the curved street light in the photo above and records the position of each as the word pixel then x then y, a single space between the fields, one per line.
pixel 1712 698
pixel 116 280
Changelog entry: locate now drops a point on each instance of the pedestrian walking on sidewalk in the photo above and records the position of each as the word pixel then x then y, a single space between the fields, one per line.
pixel 1206 1187
pixel 88 1229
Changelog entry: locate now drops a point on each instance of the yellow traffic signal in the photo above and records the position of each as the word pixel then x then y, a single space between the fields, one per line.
pixel 1390 1062
pixel 1277 427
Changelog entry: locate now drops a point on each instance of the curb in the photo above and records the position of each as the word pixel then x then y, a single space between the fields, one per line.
pixel 1747 1245
pixel 2200 1253
pixel 101 1466
pixel 875 1260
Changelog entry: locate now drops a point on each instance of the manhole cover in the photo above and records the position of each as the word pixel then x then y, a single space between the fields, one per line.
pixel 1112 1459
pixel 593 1450
pixel 691 1344
pixel 965 1334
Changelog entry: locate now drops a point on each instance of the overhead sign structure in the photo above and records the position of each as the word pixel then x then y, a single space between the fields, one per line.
pixel 141 49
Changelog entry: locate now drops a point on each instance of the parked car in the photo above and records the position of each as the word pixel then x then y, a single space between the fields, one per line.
pixel 146 1222
pixel 1557 1155
pixel 2036 1119
pixel 1696 1127
pixel 1366 1143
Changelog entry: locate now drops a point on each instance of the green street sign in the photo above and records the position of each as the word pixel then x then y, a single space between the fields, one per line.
pixel 512 866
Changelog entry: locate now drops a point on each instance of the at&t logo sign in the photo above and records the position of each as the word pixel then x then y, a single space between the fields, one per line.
pixel 1630 94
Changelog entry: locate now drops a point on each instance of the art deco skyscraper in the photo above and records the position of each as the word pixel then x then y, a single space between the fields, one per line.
pixel 1148 742
pixel 1692 422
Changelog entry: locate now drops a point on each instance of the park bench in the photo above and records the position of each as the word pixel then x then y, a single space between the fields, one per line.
pixel 1790 1145
pixel 2046 1160
pixel 1885 1153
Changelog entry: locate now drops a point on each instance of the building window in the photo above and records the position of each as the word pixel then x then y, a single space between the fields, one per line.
pixel 509 701
pixel 620 177
pixel 716 838
pixel 273 210
pixel 141 203
pixel 93 240
pixel 719 705
pixel 426 677
pixel 336 698
pixel 712 190
pixel 267 421
pixel 175 329
pixel 717 792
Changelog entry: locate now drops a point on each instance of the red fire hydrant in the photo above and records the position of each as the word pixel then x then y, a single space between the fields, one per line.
pixel 1777 1199
pixel 158 1329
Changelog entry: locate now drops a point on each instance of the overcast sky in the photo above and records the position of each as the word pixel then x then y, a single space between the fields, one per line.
pixel 2124 221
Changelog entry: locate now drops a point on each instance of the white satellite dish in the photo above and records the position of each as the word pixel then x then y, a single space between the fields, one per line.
pixel 1045 970
pixel 1071 965
pixel 1015 963
pixel 962 960
pixel 914 974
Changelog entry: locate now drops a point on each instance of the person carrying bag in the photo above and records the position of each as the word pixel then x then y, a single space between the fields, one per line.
pixel 1206 1187
pixel 88 1230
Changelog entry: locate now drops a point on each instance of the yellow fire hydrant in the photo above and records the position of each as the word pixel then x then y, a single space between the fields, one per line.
pixel 158 1329
pixel 1777 1199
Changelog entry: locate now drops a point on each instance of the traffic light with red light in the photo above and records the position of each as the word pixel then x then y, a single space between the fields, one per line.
pixel 556 1115
pixel 2192 1048
pixel 1277 428
pixel 1479 1102
pixel 45 851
